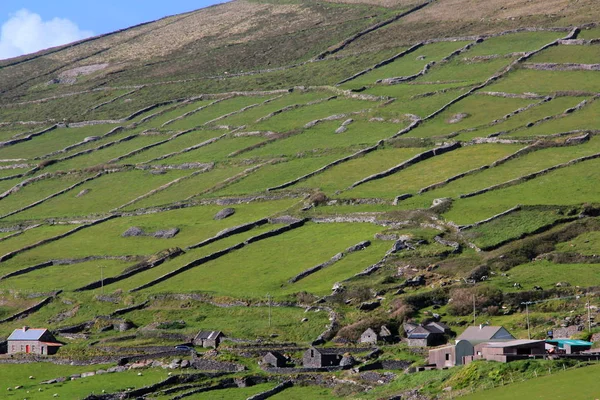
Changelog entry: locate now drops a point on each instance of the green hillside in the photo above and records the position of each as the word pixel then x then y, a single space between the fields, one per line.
pixel 360 144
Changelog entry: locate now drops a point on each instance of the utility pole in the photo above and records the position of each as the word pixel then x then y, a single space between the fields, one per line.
pixel 269 297
pixel 589 304
pixel 527 303
pixel 473 310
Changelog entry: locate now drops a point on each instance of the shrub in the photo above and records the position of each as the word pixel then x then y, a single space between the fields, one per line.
pixel 462 299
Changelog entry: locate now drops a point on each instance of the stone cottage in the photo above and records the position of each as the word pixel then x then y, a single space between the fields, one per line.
pixel 369 336
pixel 32 341
pixel 274 359
pixel 208 339
pixel 319 358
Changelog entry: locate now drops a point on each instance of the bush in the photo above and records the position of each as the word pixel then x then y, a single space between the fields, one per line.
pixel 462 299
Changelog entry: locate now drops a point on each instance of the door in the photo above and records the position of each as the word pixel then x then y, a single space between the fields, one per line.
pixel 27 349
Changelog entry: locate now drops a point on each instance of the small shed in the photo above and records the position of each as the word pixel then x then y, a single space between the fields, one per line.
pixel 274 359
pixel 208 339
pixel 570 346
pixel 369 336
pixel 32 341
pixel 319 357
pixel 423 336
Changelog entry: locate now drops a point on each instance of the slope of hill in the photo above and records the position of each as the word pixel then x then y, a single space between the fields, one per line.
pixel 296 172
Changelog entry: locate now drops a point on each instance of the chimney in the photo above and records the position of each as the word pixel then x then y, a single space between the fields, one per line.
pixel 25 328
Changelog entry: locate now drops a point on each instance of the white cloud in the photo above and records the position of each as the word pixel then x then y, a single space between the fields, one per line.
pixel 25 32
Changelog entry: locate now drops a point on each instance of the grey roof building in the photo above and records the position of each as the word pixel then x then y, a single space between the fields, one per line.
pixel 208 339
pixel 484 333
pixel 33 341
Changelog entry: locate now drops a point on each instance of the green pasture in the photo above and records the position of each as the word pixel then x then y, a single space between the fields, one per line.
pixel 424 106
pixel 525 164
pixel 195 224
pixel 565 186
pixel 5 173
pixel 514 43
pixel 322 137
pixel 588 54
pixel 409 64
pixel 297 118
pixel 216 110
pixel 229 394
pixel 589 33
pixel 575 384
pixel 103 156
pixel 477 110
pixel 173 112
pixel 511 226
pixel 33 236
pixel 177 144
pixel 343 175
pixel 189 256
pixel 187 187
pixel 69 108
pixel 80 274
pixel 277 102
pixel 433 170
pixel 78 388
pixel 465 71
pixel 276 174
pixel 546 82
pixel 240 322
pixel 587 244
pixel 306 392
pixel 321 282
pixel 102 196
pixel 217 151
pixel 264 270
pixel 37 191
pixel 586 118
pixel 54 140
pixel 553 107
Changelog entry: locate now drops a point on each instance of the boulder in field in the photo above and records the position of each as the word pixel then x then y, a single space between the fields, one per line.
pixel 224 213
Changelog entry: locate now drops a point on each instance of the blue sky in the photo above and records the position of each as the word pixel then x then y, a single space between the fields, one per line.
pixel 31 25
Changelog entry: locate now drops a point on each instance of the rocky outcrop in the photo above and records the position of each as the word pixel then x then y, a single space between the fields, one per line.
pixel 224 213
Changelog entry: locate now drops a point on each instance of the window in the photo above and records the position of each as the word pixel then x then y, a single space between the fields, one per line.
pixel 33 348
pixel 22 349
pixel 312 353
pixel 447 356
pixel 14 348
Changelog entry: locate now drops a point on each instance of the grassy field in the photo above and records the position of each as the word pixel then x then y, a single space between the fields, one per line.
pixel 431 171
pixel 588 54
pixel 513 43
pixel 268 274
pixel 544 190
pixel 410 64
pixel 577 384
pixel 546 82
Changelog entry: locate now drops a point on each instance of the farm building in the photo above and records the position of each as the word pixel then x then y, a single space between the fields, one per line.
pixel 208 339
pixel 484 333
pixel 274 359
pixel 431 334
pixel 568 346
pixel 509 351
pixel 451 355
pixel 319 358
pixel 33 341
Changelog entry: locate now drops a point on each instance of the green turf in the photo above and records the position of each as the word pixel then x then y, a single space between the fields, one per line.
pixel 577 384
pixel 268 273
pixel 546 82
pixel 588 54
pixel 410 64
pixel 574 188
pixel 514 43
pixel 432 171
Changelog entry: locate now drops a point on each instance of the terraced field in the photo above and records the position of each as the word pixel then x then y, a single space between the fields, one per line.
pixel 271 208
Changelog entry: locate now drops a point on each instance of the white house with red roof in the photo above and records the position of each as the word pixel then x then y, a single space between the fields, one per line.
pixel 32 341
